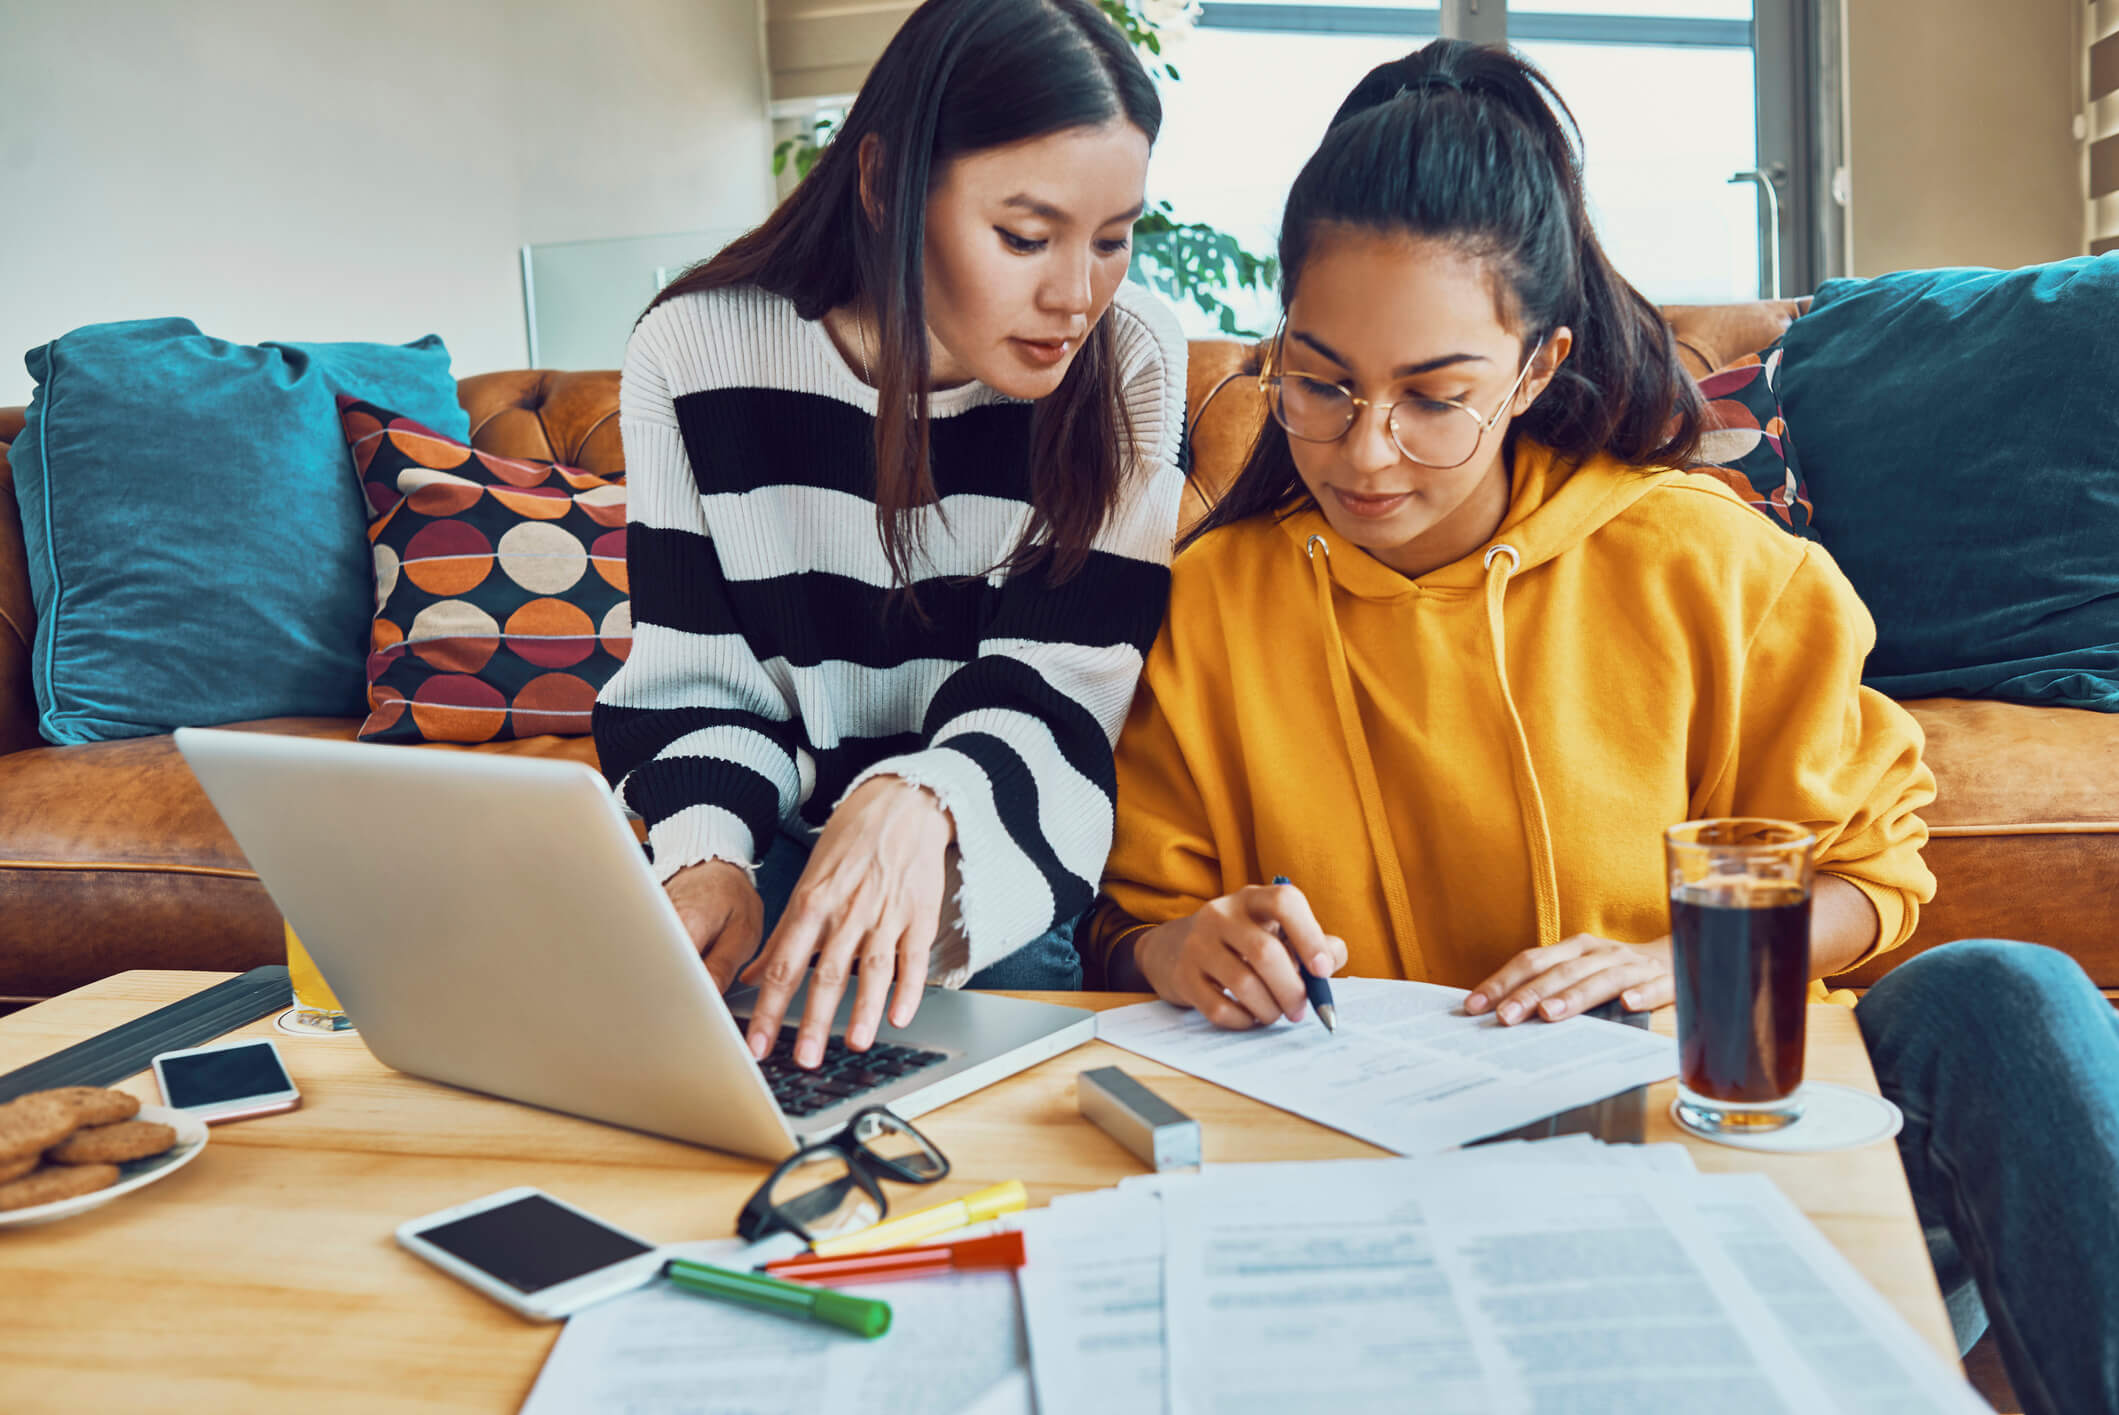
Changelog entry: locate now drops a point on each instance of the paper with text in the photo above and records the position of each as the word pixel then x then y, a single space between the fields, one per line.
pixel 1406 1070
pixel 955 1345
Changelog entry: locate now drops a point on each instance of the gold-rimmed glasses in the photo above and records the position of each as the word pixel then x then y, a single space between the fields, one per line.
pixel 1434 432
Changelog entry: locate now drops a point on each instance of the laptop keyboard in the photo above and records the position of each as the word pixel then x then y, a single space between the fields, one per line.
pixel 843 1074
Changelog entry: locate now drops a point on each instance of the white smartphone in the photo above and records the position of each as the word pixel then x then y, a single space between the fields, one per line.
pixel 226 1081
pixel 532 1252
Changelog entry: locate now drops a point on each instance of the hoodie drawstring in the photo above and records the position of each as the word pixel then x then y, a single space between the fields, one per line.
pixel 1530 801
pixel 1365 783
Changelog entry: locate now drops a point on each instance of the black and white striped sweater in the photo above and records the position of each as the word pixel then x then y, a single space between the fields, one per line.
pixel 769 673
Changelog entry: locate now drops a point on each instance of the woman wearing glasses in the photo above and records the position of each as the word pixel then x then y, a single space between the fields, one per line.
pixel 904 486
pixel 1452 654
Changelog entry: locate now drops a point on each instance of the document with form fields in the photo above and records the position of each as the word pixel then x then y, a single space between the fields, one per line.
pixel 1407 1069
pixel 1540 1278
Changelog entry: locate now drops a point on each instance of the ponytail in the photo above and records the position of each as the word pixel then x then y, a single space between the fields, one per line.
pixel 1472 146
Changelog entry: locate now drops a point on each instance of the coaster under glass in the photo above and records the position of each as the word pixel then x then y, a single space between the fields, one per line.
pixel 1834 1117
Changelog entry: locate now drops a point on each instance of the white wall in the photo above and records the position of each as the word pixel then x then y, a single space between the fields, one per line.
pixel 355 169
pixel 1960 133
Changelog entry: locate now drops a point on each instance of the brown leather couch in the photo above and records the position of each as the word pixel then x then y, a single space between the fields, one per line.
pixel 111 858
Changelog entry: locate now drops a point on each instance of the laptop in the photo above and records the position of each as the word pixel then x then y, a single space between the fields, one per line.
pixel 492 922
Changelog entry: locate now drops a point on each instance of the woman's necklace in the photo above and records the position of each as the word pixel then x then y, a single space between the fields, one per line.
pixel 860 349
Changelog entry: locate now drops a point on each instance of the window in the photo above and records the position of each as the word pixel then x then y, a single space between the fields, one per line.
pixel 1665 93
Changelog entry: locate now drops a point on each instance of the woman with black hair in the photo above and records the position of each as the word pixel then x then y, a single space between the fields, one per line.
pixel 1455 649
pixel 904 485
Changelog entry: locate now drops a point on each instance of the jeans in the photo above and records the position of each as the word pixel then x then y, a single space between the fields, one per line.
pixel 1048 962
pixel 2005 1059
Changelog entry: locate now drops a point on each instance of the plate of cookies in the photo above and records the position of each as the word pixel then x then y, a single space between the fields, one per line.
pixel 67 1150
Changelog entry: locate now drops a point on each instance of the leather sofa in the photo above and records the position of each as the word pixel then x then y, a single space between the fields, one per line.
pixel 111 857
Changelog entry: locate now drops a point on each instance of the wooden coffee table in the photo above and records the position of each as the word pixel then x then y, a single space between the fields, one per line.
pixel 264 1275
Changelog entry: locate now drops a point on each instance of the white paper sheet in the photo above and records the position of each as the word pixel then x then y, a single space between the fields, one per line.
pixel 955 1345
pixel 1093 1303
pixel 1406 1070
pixel 1854 1339
pixel 1470 1288
pixel 1598 1290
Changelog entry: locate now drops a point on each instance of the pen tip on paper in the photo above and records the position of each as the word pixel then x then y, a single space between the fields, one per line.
pixel 1327 1016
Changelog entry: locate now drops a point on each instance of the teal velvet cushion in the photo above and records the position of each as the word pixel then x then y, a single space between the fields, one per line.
pixel 196 541
pixel 1960 432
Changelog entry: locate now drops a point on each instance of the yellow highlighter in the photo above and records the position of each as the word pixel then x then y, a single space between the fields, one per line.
pixel 922 1224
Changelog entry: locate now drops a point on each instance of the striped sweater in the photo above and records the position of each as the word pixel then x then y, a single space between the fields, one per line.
pixel 770 673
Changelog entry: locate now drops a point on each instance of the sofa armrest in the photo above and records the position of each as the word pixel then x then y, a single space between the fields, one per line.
pixel 1712 336
pixel 18 617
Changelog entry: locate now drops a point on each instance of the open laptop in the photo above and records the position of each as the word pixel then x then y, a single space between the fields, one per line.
pixel 491 922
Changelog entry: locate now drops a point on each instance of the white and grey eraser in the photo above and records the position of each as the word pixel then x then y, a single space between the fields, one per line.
pixel 1158 1133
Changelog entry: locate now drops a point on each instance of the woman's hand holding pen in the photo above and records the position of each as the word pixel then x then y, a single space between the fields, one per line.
pixel 872 891
pixel 1573 976
pixel 1230 959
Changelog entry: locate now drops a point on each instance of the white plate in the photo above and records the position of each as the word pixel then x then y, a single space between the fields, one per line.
pixel 191 1138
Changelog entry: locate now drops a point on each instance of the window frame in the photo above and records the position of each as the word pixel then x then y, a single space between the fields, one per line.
pixel 1797 50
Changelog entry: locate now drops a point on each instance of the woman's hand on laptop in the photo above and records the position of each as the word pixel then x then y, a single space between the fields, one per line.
pixel 872 891
pixel 720 909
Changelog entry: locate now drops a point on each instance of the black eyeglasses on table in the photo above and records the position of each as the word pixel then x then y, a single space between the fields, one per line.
pixel 834 1186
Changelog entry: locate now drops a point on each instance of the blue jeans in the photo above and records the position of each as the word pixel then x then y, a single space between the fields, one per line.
pixel 1048 962
pixel 2005 1059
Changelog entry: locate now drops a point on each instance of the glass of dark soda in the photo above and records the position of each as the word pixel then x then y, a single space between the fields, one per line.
pixel 1740 956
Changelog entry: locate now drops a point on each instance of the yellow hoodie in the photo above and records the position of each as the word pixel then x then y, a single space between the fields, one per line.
pixel 1456 767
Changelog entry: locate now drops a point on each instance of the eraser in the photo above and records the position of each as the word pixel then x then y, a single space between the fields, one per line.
pixel 1160 1134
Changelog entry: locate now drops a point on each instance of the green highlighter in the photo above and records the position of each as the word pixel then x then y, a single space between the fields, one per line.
pixel 863 1316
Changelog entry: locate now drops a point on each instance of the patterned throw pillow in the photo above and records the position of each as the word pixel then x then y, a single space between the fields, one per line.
pixel 501 601
pixel 1744 441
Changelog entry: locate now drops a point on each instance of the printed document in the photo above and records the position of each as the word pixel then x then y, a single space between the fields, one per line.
pixel 1406 1070
pixel 955 1345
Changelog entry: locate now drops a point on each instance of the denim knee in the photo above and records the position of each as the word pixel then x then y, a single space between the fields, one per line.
pixel 1978 984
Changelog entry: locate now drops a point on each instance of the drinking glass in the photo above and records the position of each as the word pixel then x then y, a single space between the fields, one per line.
pixel 1740 957
pixel 316 1007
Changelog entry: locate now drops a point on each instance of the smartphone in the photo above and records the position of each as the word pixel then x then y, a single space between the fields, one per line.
pixel 527 1250
pixel 226 1081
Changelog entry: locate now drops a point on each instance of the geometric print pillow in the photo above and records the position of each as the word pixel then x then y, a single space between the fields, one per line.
pixel 1744 441
pixel 501 599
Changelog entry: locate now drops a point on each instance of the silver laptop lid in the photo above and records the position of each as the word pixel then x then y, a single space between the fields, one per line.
pixel 491 921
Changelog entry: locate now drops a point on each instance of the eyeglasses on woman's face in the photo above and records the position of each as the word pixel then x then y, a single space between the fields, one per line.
pixel 1434 432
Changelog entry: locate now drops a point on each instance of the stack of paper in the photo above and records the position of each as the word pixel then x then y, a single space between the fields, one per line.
pixel 955 1347
pixel 1406 1070
pixel 1557 1276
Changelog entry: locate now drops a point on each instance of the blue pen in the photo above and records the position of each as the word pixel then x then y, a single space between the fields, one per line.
pixel 1320 991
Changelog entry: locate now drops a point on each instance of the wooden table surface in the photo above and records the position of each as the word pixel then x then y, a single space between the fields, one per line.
pixel 264 1275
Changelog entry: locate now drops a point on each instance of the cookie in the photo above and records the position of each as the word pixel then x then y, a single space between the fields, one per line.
pixel 113 1144
pixel 15 1169
pixel 55 1182
pixel 93 1105
pixel 31 1123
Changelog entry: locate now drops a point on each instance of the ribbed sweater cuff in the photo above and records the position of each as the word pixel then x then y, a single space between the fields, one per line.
pixel 1002 901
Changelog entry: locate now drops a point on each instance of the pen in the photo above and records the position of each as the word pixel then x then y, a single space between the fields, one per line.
pixel 1001 1250
pixel 1319 989
pixel 863 1316
pixel 926 1223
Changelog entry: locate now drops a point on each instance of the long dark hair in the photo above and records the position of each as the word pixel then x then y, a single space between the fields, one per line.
pixel 1473 146
pixel 960 76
